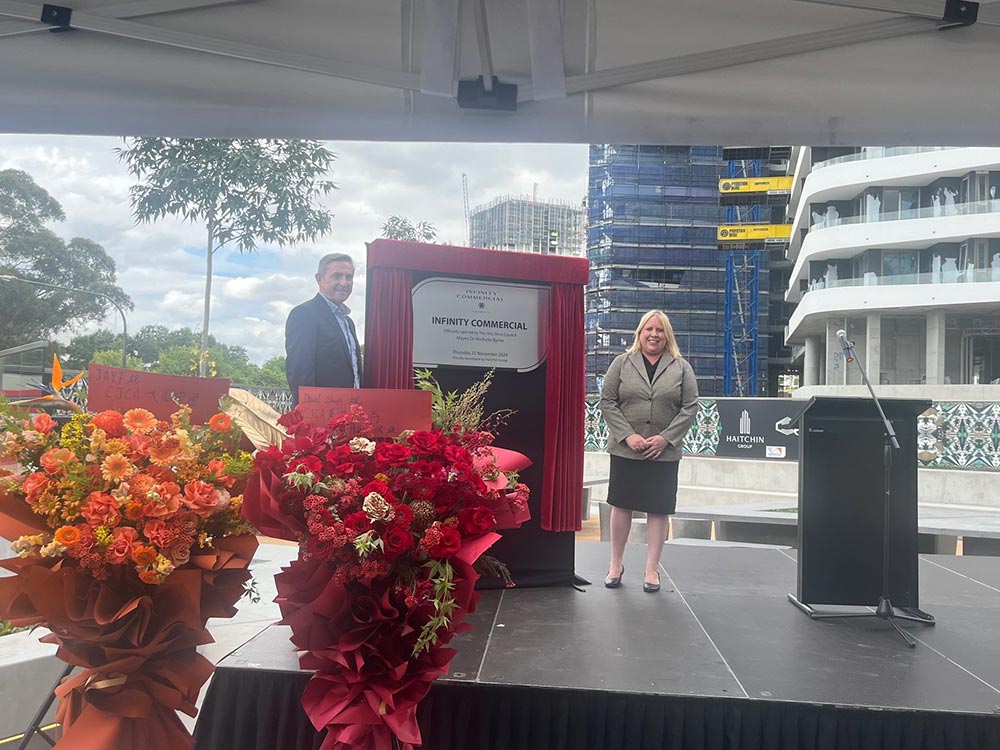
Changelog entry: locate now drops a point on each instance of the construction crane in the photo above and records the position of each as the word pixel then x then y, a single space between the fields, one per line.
pixel 465 199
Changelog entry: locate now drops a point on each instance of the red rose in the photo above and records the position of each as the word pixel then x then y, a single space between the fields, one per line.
pixel 379 488
pixel 393 454
pixel 448 544
pixel 476 521
pixel 305 465
pixel 428 442
pixel 458 455
pixel 397 540
pixel 357 524
pixel 270 458
pixel 293 420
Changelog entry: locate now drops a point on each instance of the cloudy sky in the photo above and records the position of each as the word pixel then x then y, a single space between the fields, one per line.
pixel 161 265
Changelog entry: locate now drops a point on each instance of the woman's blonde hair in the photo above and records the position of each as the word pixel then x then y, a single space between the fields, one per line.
pixel 667 329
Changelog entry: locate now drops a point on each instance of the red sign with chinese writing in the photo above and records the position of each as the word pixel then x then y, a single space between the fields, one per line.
pixel 115 388
pixel 391 411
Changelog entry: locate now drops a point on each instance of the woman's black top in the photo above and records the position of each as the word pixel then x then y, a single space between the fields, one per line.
pixel 650 367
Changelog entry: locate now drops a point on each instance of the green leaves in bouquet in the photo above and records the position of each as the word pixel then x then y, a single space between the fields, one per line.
pixel 442 577
pixel 463 410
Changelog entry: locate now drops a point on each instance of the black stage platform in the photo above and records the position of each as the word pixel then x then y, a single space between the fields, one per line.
pixel 718 659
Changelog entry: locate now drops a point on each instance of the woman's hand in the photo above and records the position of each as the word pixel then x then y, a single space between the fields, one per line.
pixel 637 442
pixel 654 446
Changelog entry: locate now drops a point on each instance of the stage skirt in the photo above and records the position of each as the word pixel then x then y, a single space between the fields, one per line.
pixel 649 486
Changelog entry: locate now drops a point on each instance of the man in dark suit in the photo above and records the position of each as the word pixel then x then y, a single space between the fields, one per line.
pixel 321 344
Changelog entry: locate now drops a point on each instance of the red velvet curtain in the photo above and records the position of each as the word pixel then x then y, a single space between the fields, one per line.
pixel 564 411
pixel 389 329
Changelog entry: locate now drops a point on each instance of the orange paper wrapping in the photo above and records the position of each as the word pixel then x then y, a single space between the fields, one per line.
pixel 135 643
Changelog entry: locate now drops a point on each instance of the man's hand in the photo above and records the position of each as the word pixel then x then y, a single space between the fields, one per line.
pixel 654 447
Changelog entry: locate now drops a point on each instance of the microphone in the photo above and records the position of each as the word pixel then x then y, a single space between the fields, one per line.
pixel 845 344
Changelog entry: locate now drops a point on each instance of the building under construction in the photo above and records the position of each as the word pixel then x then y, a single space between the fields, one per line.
pixel 654 240
pixel 526 225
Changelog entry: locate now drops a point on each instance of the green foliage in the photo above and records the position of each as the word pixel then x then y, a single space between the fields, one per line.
pixel 113 358
pixel 400 228
pixel 6 628
pixel 272 373
pixel 80 350
pixel 463 410
pixel 245 192
pixel 32 251
pixel 173 352
pixel 441 575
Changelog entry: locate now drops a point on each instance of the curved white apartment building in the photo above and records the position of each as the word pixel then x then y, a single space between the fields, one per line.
pixel 900 247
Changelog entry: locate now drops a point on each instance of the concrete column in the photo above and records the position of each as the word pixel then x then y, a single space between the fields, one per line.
pixel 811 365
pixel 935 348
pixel 836 363
pixel 873 347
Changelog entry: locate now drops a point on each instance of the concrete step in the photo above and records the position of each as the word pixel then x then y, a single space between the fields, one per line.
pixel 697 496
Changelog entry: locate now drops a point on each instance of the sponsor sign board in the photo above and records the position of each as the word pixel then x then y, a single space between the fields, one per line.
pixel 756 184
pixel 754 232
pixel 759 427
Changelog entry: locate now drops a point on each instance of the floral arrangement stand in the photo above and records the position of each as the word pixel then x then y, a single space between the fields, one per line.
pixel 129 536
pixel 391 533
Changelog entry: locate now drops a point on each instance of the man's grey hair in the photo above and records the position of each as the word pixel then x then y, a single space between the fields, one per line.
pixel 333 258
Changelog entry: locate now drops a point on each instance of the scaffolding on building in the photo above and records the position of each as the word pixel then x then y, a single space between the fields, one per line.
pixel 754 204
pixel 653 214
pixel 524 224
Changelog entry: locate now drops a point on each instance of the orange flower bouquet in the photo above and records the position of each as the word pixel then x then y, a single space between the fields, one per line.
pixel 129 536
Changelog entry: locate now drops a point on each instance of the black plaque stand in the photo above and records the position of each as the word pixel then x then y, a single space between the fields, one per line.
pixel 884 610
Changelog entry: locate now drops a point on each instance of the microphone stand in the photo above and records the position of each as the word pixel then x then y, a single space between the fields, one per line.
pixel 885 609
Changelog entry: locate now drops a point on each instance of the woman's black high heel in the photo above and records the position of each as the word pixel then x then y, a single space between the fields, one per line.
pixel 651 588
pixel 616 582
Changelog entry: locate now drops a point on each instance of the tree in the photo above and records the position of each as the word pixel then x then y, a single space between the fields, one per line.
pixel 273 372
pixel 113 358
pixel 32 251
pixel 245 192
pixel 80 350
pixel 400 228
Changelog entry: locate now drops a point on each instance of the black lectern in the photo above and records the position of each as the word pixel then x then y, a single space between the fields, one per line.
pixel 842 504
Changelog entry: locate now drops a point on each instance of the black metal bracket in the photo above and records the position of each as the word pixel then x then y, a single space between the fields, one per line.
pixel 472 94
pixel 57 16
pixel 959 13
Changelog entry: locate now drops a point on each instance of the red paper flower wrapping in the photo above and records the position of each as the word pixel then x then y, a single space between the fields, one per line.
pixel 388 534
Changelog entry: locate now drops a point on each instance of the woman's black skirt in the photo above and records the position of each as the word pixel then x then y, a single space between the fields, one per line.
pixel 649 486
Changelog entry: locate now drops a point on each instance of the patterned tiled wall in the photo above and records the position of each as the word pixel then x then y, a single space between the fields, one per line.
pixel 950 435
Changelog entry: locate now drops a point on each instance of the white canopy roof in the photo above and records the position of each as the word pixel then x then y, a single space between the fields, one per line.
pixel 742 72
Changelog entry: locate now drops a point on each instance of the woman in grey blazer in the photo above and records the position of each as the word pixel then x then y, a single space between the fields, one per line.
pixel 649 401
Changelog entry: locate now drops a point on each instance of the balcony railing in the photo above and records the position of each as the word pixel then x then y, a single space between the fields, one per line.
pixel 943 276
pixel 879 153
pixel 970 208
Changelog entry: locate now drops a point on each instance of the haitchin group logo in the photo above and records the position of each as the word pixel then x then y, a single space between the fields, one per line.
pixel 745 439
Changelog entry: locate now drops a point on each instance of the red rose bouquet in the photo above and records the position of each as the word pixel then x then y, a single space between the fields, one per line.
pixel 389 531
pixel 129 536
